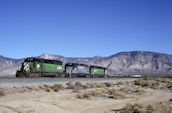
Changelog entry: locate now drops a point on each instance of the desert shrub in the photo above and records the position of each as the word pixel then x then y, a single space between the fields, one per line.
pixel 149 78
pixel 169 86
pixel 127 89
pixel 162 80
pixel 89 85
pixel 144 83
pixel 154 85
pixel 76 90
pixel 69 83
pixel 98 85
pixel 131 90
pixel 81 96
pixel 110 91
pixel 165 80
pixel 120 83
pixel 127 83
pixel 58 86
pixel 96 93
pixel 139 82
pixel 30 88
pixel 2 93
pixel 119 95
pixel 170 100
pixel 149 107
pixel 167 77
pixel 138 108
pixel 78 83
pixel 166 108
pixel 56 90
pixel 108 84
pixel 162 87
pixel 85 95
pixel 94 85
pixel 46 86
pixel 115 94
pixel 47 90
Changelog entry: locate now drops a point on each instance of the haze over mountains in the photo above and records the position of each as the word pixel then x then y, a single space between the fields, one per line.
pixel 124 63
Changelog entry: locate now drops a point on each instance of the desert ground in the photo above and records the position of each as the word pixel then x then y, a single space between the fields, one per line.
pixel 146 95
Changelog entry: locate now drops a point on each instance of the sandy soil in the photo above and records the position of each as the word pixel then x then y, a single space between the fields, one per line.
pixel 65 101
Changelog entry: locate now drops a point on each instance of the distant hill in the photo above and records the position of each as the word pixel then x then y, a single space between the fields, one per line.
pixel 8 66
pixel 124 63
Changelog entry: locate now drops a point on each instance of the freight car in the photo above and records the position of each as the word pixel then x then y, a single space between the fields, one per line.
pixel 36 67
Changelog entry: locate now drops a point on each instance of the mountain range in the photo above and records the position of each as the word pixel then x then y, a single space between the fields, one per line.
pixel 123 63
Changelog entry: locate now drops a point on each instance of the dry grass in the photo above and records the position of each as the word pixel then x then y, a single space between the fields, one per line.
pixel 114 94
pixel 96 93
pixel 118 95
pixel 108 84
pixel 99 85
pixel 137 108
pixel 89 85
pixel 164 107
pixel 95 85
pixel 77 85
pixel 154 83
pixel 132 90
pixel 120 83
pixel 82 96
pixel 106 93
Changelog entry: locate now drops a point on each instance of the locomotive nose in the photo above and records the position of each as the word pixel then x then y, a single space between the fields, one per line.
pixel 38 65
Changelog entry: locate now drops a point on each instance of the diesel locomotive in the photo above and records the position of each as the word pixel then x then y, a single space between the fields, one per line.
pixel 37 67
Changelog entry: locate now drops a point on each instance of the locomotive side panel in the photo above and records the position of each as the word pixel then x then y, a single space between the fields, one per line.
pixel 51 68
pixel 77 69
pixel 98 71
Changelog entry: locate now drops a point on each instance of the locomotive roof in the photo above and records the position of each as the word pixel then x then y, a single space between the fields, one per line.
pixel 75 64
pixel 34 59
pixel 97 67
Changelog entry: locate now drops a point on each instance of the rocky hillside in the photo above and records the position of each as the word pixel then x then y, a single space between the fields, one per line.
pixel 8 66
pixel 125 63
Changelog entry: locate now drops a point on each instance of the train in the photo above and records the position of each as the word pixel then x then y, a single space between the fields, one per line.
pixel 37 67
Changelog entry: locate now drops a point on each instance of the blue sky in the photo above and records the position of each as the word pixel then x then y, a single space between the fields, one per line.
pixel 84 28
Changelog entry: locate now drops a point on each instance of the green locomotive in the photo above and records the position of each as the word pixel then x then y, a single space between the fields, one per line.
pixel 36 67
pixel 98 71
